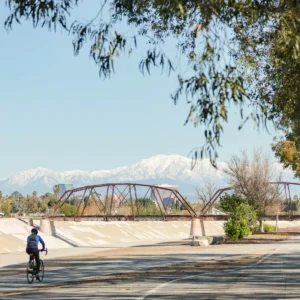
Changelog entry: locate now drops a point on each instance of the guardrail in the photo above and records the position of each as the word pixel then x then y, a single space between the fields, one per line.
pixel 164 218
pixel 139 218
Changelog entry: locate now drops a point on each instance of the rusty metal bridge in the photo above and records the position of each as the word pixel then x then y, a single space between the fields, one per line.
pixel 109 200
pixel 126 201
pixel 219 192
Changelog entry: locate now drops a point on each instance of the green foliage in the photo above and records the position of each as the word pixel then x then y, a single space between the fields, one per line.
pixel 176 205
pixel 236 229
pixel 73 201
pixel 56 190
pixel 49 199
pixel 16 195
pixel 246 212
pixel 242 216
pixel 69 210
pixel 238 52
pixel 18 205
pixel 42 206
pixel 146 206
pixel 6 206
pixel 267 228
pixel 232 229
pixel 244 228
pixel 229 203
pixel 296 200
pixel 48 196
pixel 238 208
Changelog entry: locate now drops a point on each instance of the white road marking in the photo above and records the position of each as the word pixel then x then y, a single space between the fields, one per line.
pixel 160 286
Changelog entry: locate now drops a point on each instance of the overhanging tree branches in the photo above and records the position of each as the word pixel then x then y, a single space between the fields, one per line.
pixel 237 51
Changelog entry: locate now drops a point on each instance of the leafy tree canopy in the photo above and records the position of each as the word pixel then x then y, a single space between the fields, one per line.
pixel 243 52
pixel 230 203
pixel 16 195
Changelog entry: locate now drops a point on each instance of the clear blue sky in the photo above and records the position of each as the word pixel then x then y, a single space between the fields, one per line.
pixel 57 113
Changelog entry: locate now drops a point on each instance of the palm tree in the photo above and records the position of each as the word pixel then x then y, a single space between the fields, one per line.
pixel 34 194
pixel 56 190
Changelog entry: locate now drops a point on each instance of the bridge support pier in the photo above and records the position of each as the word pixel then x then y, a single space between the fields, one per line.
pixel 30 221
pixel 46 226
pixel 197 233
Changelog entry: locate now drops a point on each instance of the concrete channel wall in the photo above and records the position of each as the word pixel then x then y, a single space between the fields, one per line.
pixel 99 234
pixel 13 235
pixel 68 234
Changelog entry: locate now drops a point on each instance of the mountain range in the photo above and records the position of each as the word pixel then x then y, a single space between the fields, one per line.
pixel 160 169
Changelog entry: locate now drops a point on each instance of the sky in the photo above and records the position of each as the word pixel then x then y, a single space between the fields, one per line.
pixel 57 113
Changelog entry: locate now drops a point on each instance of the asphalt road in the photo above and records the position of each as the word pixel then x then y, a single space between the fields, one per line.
pixel 275 275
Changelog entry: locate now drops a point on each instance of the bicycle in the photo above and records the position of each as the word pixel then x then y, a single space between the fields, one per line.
pixel 31 269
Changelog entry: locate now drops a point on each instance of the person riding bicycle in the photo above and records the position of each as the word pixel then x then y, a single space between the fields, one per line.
pixel 32 246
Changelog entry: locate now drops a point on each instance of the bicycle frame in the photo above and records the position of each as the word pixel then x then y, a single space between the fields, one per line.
pixel 32 257
pixel 32 275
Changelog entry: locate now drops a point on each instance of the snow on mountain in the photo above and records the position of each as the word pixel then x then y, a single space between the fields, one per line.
pixel 170 169
pixel 174 167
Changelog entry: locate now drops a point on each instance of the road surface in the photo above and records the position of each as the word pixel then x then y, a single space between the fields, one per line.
pixel 126 274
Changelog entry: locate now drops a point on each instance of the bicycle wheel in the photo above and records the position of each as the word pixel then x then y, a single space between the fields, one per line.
pixel 29 274
pixel 41 273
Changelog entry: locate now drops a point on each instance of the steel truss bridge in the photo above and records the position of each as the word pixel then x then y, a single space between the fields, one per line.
pixel 108 198
pixel 219 192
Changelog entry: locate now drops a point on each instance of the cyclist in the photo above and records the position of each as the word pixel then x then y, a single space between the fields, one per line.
pixel 32 247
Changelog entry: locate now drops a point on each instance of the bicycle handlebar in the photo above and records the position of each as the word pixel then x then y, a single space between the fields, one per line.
pixel 45 250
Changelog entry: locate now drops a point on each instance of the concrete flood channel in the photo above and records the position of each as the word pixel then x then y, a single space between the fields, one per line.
pixel 137 257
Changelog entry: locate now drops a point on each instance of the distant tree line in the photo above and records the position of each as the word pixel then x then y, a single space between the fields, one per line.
pixel 20 204
pixel 16 203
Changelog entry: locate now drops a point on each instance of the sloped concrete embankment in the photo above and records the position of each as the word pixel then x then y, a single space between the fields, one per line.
pixel 98 234
pixel 68 234
pixel 122 234
pixel 13 235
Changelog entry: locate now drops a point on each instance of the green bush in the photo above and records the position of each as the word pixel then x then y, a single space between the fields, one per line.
pixel 267 228
pixel 229 203
pixel 69 210
pixel 236 229
pixel 147 207
pixel 242 217
pixel 244 229
pixel 255 229
pixel 232 230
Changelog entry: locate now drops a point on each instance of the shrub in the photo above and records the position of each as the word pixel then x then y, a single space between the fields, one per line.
pixel 69 210
pixel 244 229
pixel 6 206
pixel 242 217
pixel 267 228
pixel 229 203
pixel 147 207
pixel 232 229
pixel 236 229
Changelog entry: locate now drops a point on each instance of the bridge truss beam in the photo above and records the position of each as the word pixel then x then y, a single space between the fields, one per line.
pixel 118 194
pixel 219 192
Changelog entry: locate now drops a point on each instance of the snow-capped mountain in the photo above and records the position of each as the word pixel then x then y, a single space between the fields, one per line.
pixel 160 169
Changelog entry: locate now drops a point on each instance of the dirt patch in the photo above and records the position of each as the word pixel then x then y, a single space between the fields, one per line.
pixel 295 230
pixel 262 238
